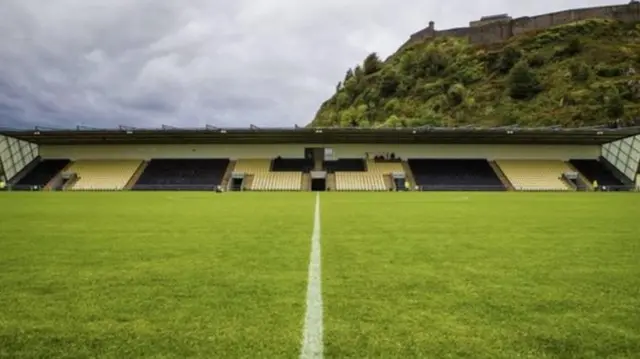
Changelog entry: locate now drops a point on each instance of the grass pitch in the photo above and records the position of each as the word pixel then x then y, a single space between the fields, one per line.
pixel 156 275
pixel 405 275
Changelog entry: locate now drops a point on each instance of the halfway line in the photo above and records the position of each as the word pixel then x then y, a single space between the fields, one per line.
pixel 312 342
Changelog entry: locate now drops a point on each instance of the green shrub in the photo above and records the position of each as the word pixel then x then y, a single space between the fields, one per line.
pixel 523 82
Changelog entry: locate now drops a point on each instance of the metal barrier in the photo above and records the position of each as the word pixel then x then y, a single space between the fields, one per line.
pixel 175 187
pixel 433 188
pixel 620 188
pixel 23 187
pixel 461 188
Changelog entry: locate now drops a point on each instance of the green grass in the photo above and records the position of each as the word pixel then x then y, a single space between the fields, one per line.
pixel 155 275
pixel 442 275
pixel 405 275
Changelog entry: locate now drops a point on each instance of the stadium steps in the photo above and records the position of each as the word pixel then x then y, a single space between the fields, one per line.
pixel 503 178
pixel 408 175
pixel 317 166
pixel 70 183
pixel 227 174
pixel 247 184
pixel 331 181
pixel 306 182
pixel 570 185
pixel 58 183
pixel 388 182
pixel 587 186
pixel 136 175
pixel 57 179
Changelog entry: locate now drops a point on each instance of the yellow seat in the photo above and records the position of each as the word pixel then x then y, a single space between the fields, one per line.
pixel 277 181
pixel 252 165
pixel 535 175
pixel 264 179
pixel 103 174
pixel 384 167
pixel 360 181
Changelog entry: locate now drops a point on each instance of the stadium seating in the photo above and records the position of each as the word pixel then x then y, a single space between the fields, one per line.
pixel 252 165
pixel 384 167
pixel 455 174
pixel 291 165
pixel 595 170
pixel 360 181
pixel 266 180
pixel 277 181
pixel 535 175
pixel 41 174
pixel 345 165
pixel 103 174
pixel 182 174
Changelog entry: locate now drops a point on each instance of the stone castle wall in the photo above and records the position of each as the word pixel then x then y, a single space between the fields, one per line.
pixel 503 29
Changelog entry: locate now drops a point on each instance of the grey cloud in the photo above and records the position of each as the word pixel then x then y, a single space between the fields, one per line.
pixel 188 63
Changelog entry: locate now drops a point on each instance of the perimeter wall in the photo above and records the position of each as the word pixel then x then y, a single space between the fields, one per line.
pixel 499 30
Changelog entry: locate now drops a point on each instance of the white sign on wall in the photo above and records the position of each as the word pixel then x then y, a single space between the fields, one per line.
pixel 328 153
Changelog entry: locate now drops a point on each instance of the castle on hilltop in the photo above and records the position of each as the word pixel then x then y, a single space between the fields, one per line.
pixel 498 28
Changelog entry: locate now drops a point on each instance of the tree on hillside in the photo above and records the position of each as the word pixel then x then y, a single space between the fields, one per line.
pixel 581 74
pixel 388 84
pixel 357 72
pixel 508 59
pixel 348 75
pixel 614 105
pixel 372 64
pixel 523 83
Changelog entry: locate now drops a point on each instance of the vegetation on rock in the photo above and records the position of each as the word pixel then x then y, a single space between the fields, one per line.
pixel 581 74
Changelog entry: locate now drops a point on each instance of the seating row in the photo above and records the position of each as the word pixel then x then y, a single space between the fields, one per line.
pixel 360 181
pixel 350 174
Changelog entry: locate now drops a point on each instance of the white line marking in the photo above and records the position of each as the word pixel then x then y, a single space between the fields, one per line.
pixel 312 342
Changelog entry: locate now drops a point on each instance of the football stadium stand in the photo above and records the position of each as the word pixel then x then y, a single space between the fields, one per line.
pixel 277 181
pixel 455 174
pixel 345 165
pixel 252 166
pixel 535 175
pixel 280 164
pixel 350 174
pixel 385 167
pixel 182 174
pixel 360 181
pixel 261 178
pixel 375 176
pixel 102 174
pixel 42 174
pixel 427 159
pixel 595 170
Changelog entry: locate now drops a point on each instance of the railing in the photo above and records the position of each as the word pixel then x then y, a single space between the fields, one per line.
pixel 461 188
pixel 24 187
pixel 616 188
pixel 500 188
pixel 175 187
pixel 478 188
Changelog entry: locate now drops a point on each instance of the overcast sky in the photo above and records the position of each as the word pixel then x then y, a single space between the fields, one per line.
pixel 188 63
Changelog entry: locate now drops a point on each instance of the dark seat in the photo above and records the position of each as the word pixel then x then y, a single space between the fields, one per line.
pixel 291 165
pixel 41 174
pixel 595 170
pixel 182 174
pixel 345 165
pixel 452 175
